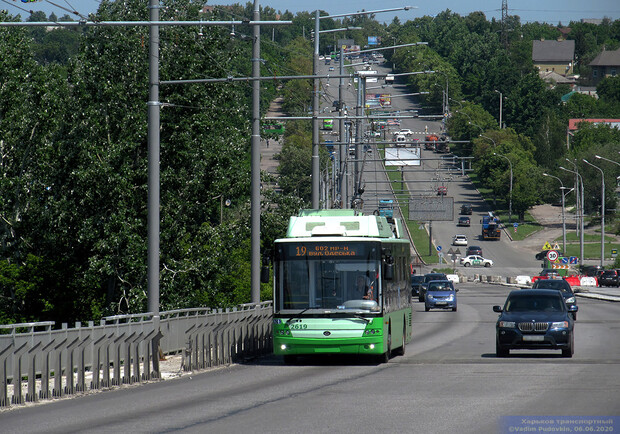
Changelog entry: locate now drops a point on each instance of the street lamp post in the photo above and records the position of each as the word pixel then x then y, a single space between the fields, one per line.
pixel 578 203
pixel 562 188
pixel 510 202
pixel 579 211
pixel 501 99
pixel 602 210
pixel 606 159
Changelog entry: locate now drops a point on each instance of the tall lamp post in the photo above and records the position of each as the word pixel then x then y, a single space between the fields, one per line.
pixel 579 211
pixel 602 210
pixel 606 159
pixel 510 202
pixel 578 203
pixel 501 100
pixel 562 188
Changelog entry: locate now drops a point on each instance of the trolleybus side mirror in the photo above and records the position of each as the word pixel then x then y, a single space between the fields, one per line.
pixel 264 271
pixel 388 268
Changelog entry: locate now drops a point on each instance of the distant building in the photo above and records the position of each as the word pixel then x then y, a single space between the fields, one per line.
pixel 554 56
pixel 606 64
pixel 573 124
pixel 553 78
pixel 597 21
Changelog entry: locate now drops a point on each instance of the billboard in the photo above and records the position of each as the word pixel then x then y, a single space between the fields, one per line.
pixel 431 208
pixel 374 40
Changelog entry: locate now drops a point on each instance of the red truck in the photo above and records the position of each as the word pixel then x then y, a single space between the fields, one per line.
pixel 430 141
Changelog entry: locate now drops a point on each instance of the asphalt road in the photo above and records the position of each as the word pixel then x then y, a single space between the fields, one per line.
pixel 448 381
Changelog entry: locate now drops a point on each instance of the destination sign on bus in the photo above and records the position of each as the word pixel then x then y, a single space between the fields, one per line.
pixel 326 250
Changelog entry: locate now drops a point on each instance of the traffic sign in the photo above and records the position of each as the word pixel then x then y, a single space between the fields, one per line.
pixel 439 248
pixel 573 259
pixel 515 225
pixel 547 246
pixel 552 255
pixel 556 246
pixel 614 253
pixel 564 260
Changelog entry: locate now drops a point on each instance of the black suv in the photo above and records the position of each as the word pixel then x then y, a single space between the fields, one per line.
pixel 416 283
pixel 466 208
pixel 534 319
pixel 609 278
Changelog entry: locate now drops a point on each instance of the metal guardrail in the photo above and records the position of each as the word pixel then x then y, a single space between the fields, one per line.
pixel 124 349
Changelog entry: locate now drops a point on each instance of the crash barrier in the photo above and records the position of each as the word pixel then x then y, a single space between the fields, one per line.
pixel 523 280
pixel 222 337
pixel 39 362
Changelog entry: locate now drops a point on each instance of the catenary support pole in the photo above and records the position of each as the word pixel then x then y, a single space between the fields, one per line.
pixel 255 160
pixel 153 181
pixel 343 151
pixel 315 114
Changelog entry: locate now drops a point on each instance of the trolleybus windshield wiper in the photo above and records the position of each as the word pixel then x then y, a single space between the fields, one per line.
pixel 297 315
pixel 362 318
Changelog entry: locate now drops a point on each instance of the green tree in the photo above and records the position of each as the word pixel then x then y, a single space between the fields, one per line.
pixel 608 89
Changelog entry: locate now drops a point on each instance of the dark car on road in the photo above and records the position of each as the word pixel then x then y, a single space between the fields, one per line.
pixel 473 250
pixel 534 319
pixel 592 270
pixel 464 221
pixel 427 278
pixel 561 285
pixel 416 283
pixel 609 278
pixel 466 208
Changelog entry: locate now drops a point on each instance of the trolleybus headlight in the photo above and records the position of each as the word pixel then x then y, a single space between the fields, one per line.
pixel 283 347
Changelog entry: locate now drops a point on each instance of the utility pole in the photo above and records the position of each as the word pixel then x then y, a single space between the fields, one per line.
pixel 255 159
pixel 505 23
pixel 315 114
pixel 343 150
pixel 153 181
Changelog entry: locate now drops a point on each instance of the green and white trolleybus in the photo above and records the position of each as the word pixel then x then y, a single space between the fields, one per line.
pixel 341 286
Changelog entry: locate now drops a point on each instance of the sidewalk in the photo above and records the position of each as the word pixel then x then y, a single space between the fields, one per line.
pixel 270 147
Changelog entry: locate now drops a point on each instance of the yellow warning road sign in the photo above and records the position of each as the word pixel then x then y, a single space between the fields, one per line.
pixel 547 246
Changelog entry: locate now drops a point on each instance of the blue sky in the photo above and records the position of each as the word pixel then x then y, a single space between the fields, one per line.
pixel 550 11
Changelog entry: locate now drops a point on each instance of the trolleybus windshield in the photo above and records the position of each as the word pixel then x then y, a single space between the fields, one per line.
pixel 319 276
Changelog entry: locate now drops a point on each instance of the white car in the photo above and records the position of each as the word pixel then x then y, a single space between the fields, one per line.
pixel 470 260
pixel 459 240
pixel 405 132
